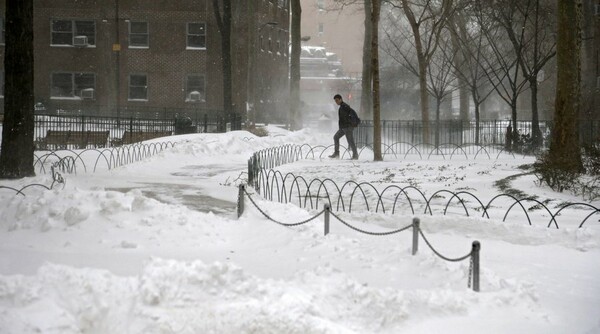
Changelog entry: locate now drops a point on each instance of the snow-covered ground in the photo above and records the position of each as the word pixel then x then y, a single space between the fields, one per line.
pixel 156 247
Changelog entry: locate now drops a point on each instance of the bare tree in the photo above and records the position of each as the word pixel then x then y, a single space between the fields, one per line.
pixel 564 153
pixel 224 25
pixel 533 45
pixel 16 154
pixel 505 74
pixel 366 101
pixel 427 18
pixel 440 81
pixel 375 14
pixel 296 12
pixel 440 78
pixel 457 23
pixel 474 60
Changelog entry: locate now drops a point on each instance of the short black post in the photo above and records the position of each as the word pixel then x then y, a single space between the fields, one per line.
pixel 415 228
pixel 475 257
pixel 240 208
pixel 327 219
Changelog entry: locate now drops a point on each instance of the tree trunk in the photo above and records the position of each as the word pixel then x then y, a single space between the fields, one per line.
pixel 224 24
pixel 437 121
pixel 458 27
pixel 536 133
pixel 564 153
pixel 476 123
pixel 424 95
pixel 366 100
pixel 513 117
pixel 375 70
pixel 296 121
pixel 16 153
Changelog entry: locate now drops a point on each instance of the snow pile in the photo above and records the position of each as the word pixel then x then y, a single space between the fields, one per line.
pixel 129 251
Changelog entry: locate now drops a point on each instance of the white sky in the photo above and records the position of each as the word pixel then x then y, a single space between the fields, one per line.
pixel 156 247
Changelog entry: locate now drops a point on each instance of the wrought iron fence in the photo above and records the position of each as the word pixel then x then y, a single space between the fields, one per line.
pixel 118 126
pixel 177 121
pixel 492 132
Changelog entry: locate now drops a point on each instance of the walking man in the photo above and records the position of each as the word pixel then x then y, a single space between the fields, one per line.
pixel 347 122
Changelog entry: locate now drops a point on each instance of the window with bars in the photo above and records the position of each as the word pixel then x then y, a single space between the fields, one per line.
pixel 73 32
pixel 138 34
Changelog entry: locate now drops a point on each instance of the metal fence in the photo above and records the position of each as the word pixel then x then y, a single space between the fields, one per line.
pixel 459 133
pixel 117 126
pixel 178 121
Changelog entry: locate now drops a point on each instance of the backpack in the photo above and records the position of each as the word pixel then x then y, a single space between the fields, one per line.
pixel 354 120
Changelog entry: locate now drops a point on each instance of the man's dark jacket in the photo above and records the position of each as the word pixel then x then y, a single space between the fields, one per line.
pixel 344 116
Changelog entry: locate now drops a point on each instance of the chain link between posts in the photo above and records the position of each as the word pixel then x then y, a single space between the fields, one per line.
pixel 278 222
pixel 473 274
pixel 367 232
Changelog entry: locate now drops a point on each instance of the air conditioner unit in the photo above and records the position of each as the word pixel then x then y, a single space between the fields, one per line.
pixel 80 41
pixel 195 96
pixel 87 94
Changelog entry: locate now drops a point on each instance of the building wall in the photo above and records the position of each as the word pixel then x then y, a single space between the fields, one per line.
pixel 166 62
pixel 342 31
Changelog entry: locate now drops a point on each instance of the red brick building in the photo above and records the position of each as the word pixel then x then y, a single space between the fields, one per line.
pixel 115 56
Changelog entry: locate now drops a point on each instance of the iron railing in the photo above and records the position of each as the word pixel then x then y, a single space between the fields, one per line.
pixel 177 121
pixel 117 126
pixel 491 132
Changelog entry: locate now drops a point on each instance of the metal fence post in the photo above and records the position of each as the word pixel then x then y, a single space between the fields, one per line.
pixel 415 228
pixel 475 257
pixel 240 208
pixel 327 219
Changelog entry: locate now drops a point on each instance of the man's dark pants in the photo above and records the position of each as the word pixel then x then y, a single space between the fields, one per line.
pixel 349 133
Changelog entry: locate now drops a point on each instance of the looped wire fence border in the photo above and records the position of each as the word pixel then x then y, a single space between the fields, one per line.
pixel 57 178
pixel 70 160
pixel 276 156
pixel 263 162
pixel 275 186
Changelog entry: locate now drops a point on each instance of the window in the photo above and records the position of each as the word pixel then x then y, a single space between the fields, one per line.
pixel 195 88
pixel 70 85
pixel 138 34
pixel 73 32
pixel 138 87
pixel 196 36
pixel 321 29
